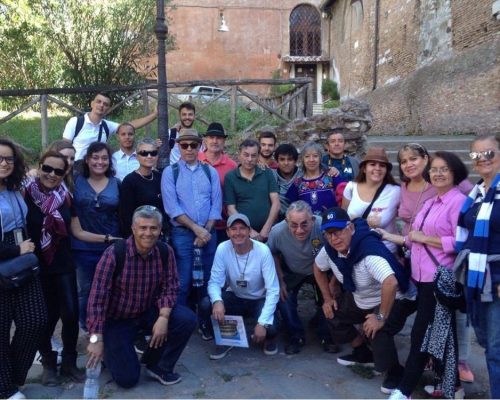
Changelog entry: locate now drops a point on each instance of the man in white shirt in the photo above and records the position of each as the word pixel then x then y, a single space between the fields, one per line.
pixel 376 293
pixel 187 115
pixel 125 160
pixel 94 127
pixel 247 267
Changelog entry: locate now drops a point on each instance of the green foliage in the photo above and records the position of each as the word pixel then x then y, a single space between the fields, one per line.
pixel 278 90
pixel 75 43
pixel 329 88
pixel 331 104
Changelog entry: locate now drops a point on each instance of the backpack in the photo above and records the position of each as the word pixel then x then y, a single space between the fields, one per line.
pixel 175 170
pixel 80 120
pixel 120 249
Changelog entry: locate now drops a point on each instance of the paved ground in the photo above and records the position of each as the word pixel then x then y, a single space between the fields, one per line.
pixel 248 373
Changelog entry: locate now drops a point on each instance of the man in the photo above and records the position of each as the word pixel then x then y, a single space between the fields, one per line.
pixel 94 127
pixel 125 159
pixel 267 142
pixel 138 292
pixel 193 200
pixel 215 139
pixel 187 114
pixel 336 160
pixel 286 155
pixel 373 283
pixel 294 244
pixel 252 191
pixel 247 268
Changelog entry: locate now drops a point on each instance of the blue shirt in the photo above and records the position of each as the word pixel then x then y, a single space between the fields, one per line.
pixel 98 213
pixel 13 210
pixel 193 194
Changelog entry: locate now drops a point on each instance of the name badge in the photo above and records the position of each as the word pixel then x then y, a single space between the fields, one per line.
pixel 18 236
pixel 242 283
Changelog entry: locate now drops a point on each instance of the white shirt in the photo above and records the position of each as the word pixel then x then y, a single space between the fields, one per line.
pixel 88 134
pixel 368 275
pixel 124 164
pixel 257 269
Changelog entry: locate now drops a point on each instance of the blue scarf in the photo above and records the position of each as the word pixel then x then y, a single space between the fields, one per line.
pixel 366 242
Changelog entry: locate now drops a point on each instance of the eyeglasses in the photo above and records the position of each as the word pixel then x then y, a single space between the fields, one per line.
pixel 302 226
pixel 476 155
pixel 48 170
pixel 8 160
pixel 442 170
pixel 145 153
pixel 184 146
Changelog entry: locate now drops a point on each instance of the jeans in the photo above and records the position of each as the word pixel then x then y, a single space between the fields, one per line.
pixel 487 328
pixel 235 305
pixel 119 335
pixel 61 298
pixel 182 242
pixel 86 262
pixel 463 336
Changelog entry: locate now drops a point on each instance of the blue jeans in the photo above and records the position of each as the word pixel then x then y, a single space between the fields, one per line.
pixel 119 335
pixel 182 242
pixel 235 305
pixel 487 328
pixel 85 262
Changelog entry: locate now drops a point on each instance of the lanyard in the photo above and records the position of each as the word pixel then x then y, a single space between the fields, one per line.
pixel 242 273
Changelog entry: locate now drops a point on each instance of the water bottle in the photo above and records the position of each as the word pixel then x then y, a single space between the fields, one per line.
pixel 197 267
pixel 91 388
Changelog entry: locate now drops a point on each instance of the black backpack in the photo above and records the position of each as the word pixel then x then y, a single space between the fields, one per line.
pixel 80 120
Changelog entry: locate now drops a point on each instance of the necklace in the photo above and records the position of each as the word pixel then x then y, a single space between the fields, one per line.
pixel 143 177
pixel 242 273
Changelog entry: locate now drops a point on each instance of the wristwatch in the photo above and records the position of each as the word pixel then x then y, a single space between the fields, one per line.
pixel 380 317
pixel 95 338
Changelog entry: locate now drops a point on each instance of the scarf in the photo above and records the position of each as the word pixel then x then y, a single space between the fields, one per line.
pixel 366 242
pixel 439 339
pixel 53 226
pixel 478 243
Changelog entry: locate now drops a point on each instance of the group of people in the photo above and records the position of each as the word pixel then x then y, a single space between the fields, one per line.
pixel 117 240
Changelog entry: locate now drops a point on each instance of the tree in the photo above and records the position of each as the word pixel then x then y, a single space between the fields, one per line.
pixel 84 42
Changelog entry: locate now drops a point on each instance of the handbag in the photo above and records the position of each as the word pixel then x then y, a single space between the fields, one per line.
pixel 17 271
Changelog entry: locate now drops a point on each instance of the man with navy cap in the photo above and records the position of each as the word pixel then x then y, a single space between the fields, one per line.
pixel 375 293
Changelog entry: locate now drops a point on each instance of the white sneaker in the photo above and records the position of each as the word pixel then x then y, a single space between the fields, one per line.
pixel 397 395
pixel 17 395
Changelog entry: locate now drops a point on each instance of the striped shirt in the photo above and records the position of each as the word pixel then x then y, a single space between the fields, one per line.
pixel 142 282
pixel 368 275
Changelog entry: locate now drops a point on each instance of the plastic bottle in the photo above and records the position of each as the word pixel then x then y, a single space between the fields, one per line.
pixel 197 267
pixel 91 388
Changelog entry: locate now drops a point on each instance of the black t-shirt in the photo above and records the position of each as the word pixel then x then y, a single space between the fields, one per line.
pixel 63 258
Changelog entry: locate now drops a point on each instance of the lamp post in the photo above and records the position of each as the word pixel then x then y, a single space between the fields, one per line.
pixel 161 32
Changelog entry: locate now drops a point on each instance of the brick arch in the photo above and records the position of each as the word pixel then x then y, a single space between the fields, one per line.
pixel 305 31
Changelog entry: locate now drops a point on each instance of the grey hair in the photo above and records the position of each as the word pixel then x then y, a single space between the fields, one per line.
pixel 311 146
pixel 146 140
pixel 148 212
pixel 299 206
pixel 488 136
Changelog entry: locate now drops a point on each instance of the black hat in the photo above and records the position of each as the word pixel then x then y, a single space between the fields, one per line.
pixel 334 217
pixel 215 129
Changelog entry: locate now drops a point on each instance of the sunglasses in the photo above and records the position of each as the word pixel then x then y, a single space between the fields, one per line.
pixel 476 155
pixel 184 146
pixel 48 169
pixel 8 160
pixel 145 153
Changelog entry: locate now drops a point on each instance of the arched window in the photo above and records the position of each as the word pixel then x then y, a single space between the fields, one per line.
pixel 305 31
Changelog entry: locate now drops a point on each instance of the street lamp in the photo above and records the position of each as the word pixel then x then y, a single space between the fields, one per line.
pixel 161 32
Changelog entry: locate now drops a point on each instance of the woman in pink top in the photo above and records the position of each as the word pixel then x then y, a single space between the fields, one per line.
pixel 434 227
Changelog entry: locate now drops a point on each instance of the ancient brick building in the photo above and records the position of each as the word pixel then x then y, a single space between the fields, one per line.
pixel 425 66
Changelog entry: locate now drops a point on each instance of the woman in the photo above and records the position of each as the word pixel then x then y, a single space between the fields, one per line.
pixel 315 186
pixel 431 239
pixel 96 200
pixel 414 163
pixel 374 194
pixel 23 306
pixel 67 149
pixel 479 235
pixel 142 187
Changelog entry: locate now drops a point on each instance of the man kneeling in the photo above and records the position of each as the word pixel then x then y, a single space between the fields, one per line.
pixel 135 286
pixel 247 267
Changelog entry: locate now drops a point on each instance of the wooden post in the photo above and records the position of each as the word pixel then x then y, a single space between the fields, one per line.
pixel 145 109
pixel 234 106
pixel 44 120
pixel 309 101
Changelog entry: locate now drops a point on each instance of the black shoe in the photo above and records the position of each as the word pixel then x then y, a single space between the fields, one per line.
pixel 390 384
pixel 49 376
pixel 205 332
pixel 360 355
pixel 165 378
pixel 294 346
pixel 330 347
pixel 141 344
pixel 220 352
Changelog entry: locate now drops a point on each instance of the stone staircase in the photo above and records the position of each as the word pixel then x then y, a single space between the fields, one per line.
pixel 457 144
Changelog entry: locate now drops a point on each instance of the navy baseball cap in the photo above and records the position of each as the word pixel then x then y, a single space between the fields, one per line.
pixel 334 217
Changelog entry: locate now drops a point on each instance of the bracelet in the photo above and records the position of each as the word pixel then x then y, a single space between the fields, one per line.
pixel 106 238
